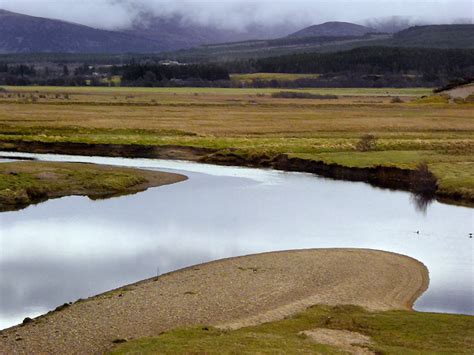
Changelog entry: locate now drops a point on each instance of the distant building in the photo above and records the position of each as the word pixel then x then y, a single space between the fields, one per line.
pixel 170 62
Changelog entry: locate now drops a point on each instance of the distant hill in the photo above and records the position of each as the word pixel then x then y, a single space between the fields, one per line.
pixel 274 47
pixel 27 34
pixel 436 36
pixel 333 29
pixel 175 33
pixel 174 38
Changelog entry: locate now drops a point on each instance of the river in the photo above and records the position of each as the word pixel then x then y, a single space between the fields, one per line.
pixel 73 247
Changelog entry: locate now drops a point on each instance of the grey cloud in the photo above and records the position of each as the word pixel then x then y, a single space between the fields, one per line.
pixel 240 14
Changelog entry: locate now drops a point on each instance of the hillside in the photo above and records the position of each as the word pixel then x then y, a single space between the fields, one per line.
pixel 27 34
pixel 436 36
pixel 333 29
pixel 374 60
pixel 275 47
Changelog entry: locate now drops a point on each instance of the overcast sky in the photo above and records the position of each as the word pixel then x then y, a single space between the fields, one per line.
pixel 237 14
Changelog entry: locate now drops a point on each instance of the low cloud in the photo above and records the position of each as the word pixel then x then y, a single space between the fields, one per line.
pixel 241 14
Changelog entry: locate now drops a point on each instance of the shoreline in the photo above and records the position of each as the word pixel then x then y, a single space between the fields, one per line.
pixel 230 293
pixel 34 182
pixel 392 178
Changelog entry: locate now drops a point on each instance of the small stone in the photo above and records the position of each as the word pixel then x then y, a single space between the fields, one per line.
pixel 27 320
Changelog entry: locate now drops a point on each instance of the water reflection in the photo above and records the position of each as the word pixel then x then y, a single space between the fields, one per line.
pixel 73 247
pixel 422 201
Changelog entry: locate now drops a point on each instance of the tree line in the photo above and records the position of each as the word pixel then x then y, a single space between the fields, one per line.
pixel 374 60
pixel 361 67
pixel 154 75
pixel 131 75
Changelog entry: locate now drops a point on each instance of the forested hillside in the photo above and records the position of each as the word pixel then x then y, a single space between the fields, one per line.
pixel 374 60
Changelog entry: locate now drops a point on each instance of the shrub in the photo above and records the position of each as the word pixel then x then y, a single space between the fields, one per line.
pixel 367 143
pixel 423 180
pixel 396 100
pixel 434 99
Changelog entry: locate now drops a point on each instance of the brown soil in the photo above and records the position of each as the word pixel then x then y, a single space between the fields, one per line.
pixel 228 293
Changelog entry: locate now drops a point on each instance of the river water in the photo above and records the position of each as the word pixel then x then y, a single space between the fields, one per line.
pixel 71 248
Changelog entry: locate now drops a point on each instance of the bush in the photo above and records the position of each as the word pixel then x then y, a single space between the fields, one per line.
pixel 396 100
pixel 367 143
pixel 423 180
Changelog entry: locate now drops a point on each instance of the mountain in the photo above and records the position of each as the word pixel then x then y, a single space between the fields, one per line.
pixel 27 34
pixel 436 36
pixel 273 47
pixel 333 29
pixel 175 33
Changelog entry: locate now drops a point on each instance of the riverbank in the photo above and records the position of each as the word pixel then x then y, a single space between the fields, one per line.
pixel 231 293
pixel 394 178
pixel 29 182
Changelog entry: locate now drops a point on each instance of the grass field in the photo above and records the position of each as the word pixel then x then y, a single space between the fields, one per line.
pixel 250 121
pixel 395 332
pixel 272 76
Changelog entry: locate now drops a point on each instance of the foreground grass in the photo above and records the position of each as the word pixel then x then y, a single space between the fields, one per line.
pixel 394 332
pixel 24 183
pixel 249 122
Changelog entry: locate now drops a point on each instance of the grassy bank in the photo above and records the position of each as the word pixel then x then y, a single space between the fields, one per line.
pixel 250 122
pixel 24 183
pixel 394 332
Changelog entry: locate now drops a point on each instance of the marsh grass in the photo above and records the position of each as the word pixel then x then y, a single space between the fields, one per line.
pixel 23 183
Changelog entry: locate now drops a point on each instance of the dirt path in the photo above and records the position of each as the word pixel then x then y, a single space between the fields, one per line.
pixel 231 293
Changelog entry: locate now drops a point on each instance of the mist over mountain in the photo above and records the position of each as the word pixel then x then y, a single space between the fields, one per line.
pixel 333 29
pixel 176 33
pixel 241 15
pixel 21 33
